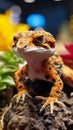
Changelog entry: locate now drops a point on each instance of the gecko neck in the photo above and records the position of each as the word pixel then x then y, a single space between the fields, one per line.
pixel 35 66
pixel 35 60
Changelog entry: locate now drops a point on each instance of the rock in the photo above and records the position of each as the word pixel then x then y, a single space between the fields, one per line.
pixel 25 115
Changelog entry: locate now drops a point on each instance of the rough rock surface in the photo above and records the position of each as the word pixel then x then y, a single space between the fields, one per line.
pixel 25 115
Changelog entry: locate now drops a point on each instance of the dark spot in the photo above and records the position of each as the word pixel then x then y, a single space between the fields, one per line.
pixel 20 87
pixel 22 72
pixel 59 80
pixel 15 39
pixel 24 78
pixel 20 80
pixel 14 45
pixel 60 83
pixel 61 65
pixel 52 44
pixel 58 72
pixel 47 76
pixel 56 55
pixel 56 63
pixel 57 92
pixel 49 68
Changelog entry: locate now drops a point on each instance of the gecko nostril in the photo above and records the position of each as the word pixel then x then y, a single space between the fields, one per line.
pixel 25 46
pixel 13 46
pixel 21 45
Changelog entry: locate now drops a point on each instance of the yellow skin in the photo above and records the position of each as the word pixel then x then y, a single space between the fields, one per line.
pixel 38 49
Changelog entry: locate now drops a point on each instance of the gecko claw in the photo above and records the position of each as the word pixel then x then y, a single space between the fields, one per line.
pixel 21 95
pixel 51 101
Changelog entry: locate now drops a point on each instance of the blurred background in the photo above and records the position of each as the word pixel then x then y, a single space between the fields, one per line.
pixel 55 16
pixel 47 14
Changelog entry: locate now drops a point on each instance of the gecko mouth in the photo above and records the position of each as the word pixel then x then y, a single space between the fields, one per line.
pixel 34 51
pixel 40 50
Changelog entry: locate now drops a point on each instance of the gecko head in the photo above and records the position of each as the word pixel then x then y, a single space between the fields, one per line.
pixel 34 43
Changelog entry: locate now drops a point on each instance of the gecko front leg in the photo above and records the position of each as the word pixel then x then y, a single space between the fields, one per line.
pixel 56 90
pixel 20 77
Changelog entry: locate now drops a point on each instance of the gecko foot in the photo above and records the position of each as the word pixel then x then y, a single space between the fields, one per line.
pixel 51 101
pixel 21 95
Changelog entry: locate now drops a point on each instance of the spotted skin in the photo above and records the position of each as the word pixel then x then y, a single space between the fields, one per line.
pixel 51 74
pixel 48 66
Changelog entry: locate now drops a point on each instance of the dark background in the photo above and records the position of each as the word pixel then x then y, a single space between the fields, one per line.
pixel 54 12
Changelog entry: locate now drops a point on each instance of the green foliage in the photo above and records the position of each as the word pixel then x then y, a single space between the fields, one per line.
pixel 9 63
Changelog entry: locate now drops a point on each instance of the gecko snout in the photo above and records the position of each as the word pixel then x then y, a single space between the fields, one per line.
pixel 21 46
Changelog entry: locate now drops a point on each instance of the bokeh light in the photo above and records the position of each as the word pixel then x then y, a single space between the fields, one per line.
pixel 29 1
pixel 57 0
pixel 36 20
pixel 39 28
pixel 16 12
pixel 16 9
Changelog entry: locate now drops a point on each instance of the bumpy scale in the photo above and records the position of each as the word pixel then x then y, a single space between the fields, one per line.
pixel 38 49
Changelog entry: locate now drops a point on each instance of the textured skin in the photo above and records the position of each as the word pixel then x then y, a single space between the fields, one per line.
pixel 46 66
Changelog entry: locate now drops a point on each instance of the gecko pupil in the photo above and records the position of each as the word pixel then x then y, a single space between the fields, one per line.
pixel 40 39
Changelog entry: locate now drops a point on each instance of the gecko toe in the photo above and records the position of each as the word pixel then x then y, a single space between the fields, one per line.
pixel 21 96
pixel 50 101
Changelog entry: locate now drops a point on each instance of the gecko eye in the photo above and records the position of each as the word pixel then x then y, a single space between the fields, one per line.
pixel 39 40
pixel 15 39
